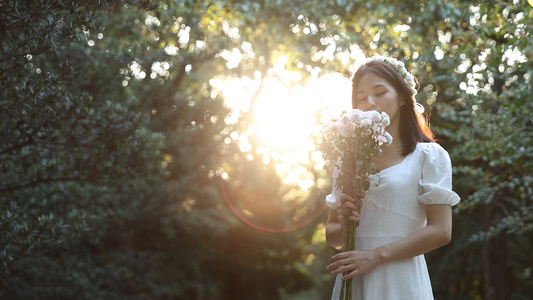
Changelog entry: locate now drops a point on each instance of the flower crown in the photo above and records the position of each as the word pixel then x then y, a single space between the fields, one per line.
pixel 400 67
pixel 407 76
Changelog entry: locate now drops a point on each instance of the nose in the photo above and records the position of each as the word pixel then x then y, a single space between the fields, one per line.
pixel 371 104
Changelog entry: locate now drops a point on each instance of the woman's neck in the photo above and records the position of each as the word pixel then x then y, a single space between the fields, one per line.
pixel 397 144
pixel 392 154
pixel 393 150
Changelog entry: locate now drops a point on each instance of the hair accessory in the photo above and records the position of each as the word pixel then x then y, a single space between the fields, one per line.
pixel 407 76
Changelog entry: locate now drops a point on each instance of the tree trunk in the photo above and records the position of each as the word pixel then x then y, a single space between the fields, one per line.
pixel 494 258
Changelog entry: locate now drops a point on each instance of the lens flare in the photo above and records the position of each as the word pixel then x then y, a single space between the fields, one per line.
pixel 272 217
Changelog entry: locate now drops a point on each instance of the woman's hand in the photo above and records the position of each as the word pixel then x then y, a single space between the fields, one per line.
pixel 354 263
pixel 335 231
pixel 347 209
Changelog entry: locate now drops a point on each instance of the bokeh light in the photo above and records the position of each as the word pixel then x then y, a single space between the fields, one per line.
pixel 285 128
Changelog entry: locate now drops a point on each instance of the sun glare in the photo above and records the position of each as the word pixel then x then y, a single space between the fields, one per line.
pixel 286 116
pixel 285 119
pixel 285 122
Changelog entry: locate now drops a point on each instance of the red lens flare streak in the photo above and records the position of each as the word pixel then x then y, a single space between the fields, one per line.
pixel 244 218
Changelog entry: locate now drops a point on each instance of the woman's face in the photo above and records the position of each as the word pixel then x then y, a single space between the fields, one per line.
pixel 375 93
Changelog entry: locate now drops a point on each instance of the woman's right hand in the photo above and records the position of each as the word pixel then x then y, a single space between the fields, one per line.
pixel 347 209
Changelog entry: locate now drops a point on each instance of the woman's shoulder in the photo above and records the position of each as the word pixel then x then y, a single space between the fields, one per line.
pixel 432 151
pixel 430 148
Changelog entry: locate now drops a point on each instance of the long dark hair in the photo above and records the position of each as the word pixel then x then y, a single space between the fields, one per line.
pixel 414 127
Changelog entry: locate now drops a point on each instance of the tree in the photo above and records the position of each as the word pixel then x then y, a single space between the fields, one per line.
pixel 77 157
pixel 90 133
pixel 492 135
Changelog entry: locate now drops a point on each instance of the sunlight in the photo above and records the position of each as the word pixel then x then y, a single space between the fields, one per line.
pixel 284 121
pixel 286 117
pixel 276 120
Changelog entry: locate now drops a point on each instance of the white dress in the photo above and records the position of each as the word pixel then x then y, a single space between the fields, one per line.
pixel 394 208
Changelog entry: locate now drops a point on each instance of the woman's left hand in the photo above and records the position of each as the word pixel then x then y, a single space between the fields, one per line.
pixel 353 263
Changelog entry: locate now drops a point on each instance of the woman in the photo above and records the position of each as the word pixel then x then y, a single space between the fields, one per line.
pixel 407 209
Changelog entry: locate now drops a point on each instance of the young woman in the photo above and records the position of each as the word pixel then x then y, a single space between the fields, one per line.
pixel 407 209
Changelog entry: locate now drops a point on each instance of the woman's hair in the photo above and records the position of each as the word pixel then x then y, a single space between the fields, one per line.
pixel 414 127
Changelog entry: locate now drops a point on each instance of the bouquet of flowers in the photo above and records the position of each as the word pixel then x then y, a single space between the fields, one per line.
pixel 357 137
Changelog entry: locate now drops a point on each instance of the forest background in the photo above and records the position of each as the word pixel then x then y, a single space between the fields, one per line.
pixel 125 174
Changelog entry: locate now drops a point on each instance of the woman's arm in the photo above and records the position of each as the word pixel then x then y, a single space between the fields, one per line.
pixel 335 234
pixel 334 231
pixel 435 234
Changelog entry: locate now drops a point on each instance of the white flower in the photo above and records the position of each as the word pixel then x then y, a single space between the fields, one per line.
pixel 378 129
pixel 388 137
pixel 355 115
pixel 385 122
pixel 344 129
pixel 382 139
pixel 366 122
pixel 376 116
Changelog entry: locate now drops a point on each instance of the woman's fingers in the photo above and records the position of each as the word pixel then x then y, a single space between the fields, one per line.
pixel 348 201
pixel 349 205
pixel 347 210
pixel 347 197
pixel 340 263
pixel 351 213
pixel 336 258
pixel 353 263
pixel 354 218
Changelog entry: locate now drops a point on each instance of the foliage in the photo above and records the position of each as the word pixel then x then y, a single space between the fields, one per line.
pixel 79 166
pixel 112 154
pixel 491 136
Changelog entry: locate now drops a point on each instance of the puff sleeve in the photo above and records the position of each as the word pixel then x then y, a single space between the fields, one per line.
pixel 436 177
pixel 334 199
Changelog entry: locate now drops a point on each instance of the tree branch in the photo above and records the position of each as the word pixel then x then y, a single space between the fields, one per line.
pixel 40 181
